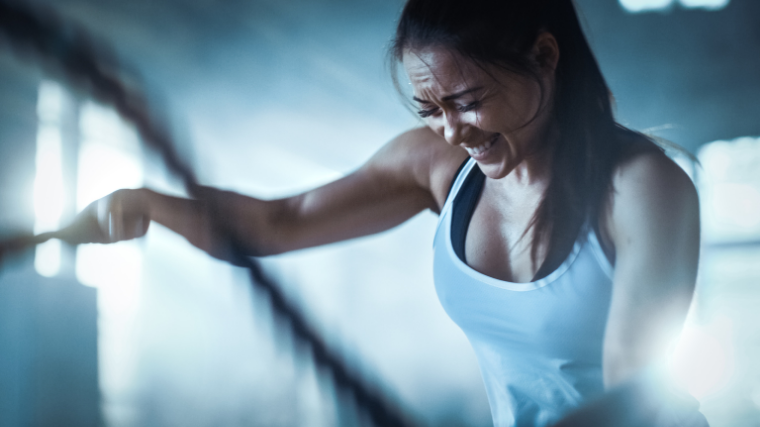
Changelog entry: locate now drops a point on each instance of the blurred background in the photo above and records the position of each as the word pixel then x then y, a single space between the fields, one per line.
pixel 273 97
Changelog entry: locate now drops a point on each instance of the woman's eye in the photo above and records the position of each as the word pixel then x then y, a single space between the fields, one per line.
pixel 469 107
pixel 427 113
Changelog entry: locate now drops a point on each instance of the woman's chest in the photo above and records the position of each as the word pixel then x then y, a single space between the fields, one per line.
pixel 500 235
pixel 553 316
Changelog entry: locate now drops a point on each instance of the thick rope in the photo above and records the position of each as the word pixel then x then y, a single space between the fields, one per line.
pixel 71 54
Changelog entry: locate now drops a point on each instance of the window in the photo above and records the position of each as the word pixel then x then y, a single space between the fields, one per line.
pixel 48 192
pixel 108 157
pixel 637 6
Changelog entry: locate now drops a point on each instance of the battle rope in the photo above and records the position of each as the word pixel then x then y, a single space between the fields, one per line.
pixel 87 65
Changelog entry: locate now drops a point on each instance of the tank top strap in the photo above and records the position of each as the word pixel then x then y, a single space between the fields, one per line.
pixel 456 186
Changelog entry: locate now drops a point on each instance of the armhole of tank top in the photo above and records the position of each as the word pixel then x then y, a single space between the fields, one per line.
pixel 456 184
pixel 596 249
pixel 454 180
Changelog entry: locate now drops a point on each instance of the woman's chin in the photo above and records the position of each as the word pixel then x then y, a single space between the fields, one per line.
pixel 495 170
pixel 494 162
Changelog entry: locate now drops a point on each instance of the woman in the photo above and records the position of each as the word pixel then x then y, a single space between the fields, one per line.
pixel 567 246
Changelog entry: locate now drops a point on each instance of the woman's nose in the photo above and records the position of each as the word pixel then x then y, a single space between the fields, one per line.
pixel 452 128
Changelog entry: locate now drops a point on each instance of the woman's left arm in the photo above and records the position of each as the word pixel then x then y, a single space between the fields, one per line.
pixel 652 221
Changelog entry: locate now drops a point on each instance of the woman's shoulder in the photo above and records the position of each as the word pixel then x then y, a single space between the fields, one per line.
pixel 643 165
pixel 427 156
pixel 648 187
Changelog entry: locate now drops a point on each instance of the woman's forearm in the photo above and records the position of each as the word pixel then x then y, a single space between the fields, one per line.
pixel 205 223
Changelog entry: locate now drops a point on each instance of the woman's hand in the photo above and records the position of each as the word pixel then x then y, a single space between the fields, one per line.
pixel 122 215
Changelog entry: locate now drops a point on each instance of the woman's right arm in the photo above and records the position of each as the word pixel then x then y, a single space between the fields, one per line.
pixel 408 175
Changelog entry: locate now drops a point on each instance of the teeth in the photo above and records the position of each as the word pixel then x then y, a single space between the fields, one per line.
pixel 480 149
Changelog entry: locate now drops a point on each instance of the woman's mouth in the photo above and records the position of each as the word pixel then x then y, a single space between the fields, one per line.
pixel 480 151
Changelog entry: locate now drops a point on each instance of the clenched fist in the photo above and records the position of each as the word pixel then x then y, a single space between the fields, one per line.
pixel 122 215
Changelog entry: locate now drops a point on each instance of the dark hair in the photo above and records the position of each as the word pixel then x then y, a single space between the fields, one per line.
pixel 502 33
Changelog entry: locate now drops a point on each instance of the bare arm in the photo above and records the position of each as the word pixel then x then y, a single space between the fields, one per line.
pixel 405 177
pixel 653 223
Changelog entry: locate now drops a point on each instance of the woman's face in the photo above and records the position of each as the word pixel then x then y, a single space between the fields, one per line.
pixel 498 116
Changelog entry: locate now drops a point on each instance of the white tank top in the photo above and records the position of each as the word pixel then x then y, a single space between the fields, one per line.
pixel 539 344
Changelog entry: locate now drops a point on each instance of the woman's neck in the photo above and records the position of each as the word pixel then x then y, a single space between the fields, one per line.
pixel 535 168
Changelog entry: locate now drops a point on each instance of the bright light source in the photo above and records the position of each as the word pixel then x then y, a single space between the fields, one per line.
pixel 48 191
pixel 635 6
pixel 47 258
pixel 702 361
pixel 48 188
pixel 705 4
pixel 114 269
pixel 716 159
pixel 108 161
pixel 729 185
pixel 737 204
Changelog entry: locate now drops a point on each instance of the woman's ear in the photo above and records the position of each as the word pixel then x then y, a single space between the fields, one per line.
pixel 546 51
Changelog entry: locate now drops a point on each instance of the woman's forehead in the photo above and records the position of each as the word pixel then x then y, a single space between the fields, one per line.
pixel 439 66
